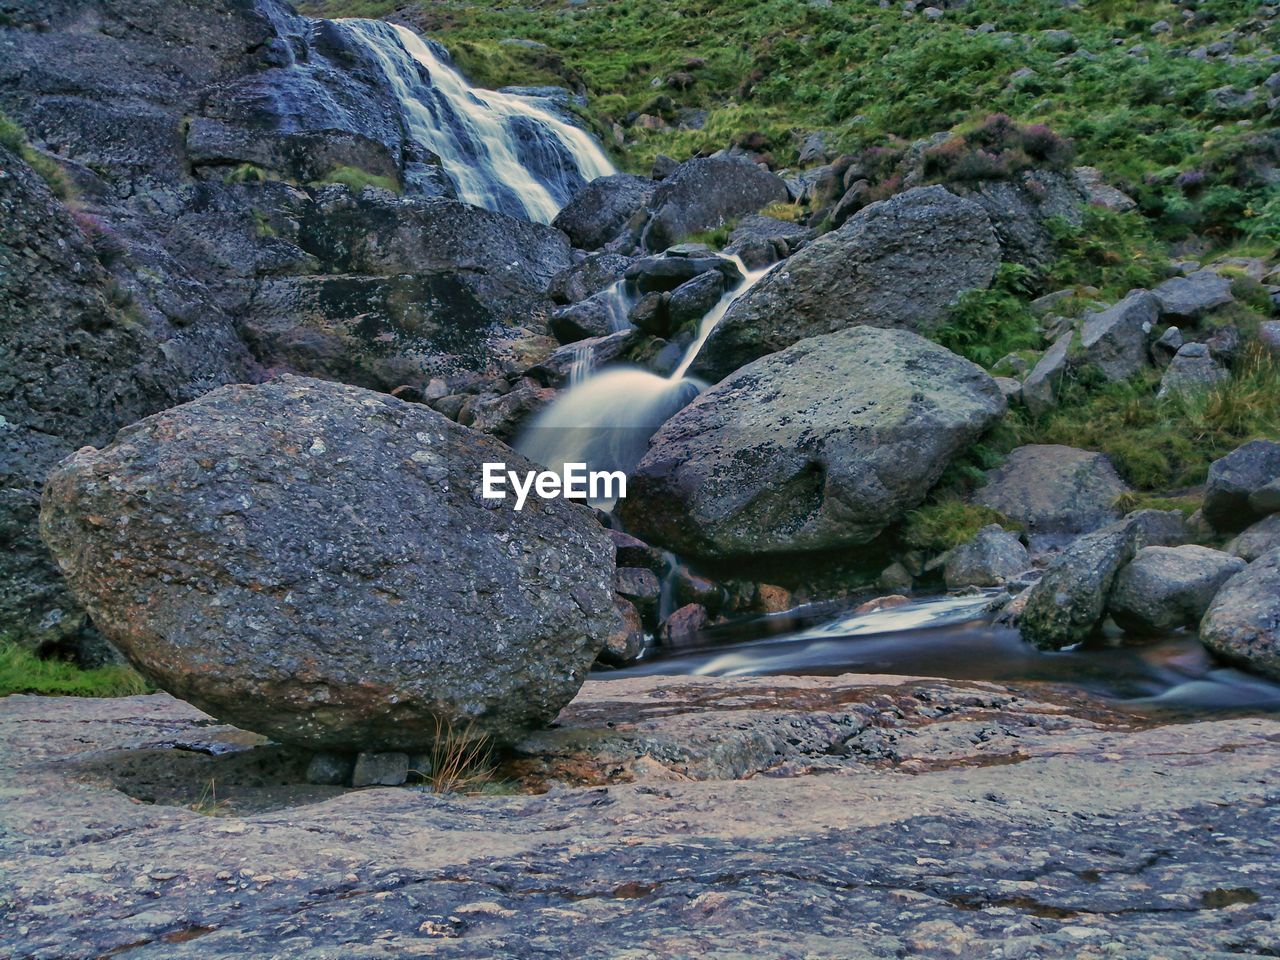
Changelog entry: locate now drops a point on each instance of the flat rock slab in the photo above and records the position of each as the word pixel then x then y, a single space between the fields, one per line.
pixel 968 820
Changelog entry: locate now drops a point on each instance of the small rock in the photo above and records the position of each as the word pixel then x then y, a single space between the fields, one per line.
pixel 1192 370
pixel 1114 340
pixel 380 769
pixel 332 769
pixel 895 577
pixel 1232 481
pixel 991 558
pixel 626 643
pixel 683 625
pixel 1262 537
pixel 1040 389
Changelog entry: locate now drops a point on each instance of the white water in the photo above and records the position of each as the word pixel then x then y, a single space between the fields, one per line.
pixel 607 419
pixel 502 152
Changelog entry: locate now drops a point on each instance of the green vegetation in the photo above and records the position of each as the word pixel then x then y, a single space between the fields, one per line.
pixel 948 522
pixel 14 139
pixel 23 672
pixel 1110 252
pixel 356 179
pixel 1132 103
pixel 986 325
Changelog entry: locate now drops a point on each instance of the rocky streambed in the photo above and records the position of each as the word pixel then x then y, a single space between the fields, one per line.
pixel 854 816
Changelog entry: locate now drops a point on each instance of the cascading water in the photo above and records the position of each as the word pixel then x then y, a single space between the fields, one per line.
pixel 501 152
pixel 607 420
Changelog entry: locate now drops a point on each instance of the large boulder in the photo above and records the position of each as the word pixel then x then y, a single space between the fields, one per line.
pixel 1243 622
pixel 705 193
pixel 898 264
pixel 773 460
pixel 1262 537
pixel 1169 587
pixel 600 210
pixel 1068 603
pixel 314 562
pixel 1054 492
pixel 1191 297
pixel 1114 340
pixel 1236 493
pixel 1022 209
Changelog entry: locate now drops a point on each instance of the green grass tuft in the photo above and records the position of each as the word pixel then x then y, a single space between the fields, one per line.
pixel 356 180
pixel 948 522
pixel 23 672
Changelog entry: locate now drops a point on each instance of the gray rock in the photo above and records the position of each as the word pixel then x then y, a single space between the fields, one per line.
pixel 318 564
pixel 1269 335
pixel 895 577
pixel 1164 588
pixel 691 301
pixel 1167 346
pixel 896 264
pixel 641 587
pixel 1243 623
pixel 704 193
pixel 1101 193
pixel 1114 340
pixel 1040 388
pixel 601 210
pixel 1050 302
pixel 596 316
pixel 1192 370
pixel 649 314
pixel 594 274
pixel 1054 492
pixel 761 240
pixel 331 769
pixel 1266 499
pixel 1011 388
pixel 1023 209
pixel 773 460
pixel 990 559
pixel 380 769
pixel 666 273
pixel 1191 297
pixel 1262 537
pixel 1068 603
pixel 1232 481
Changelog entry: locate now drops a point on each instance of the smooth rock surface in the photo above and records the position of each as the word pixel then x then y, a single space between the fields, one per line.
pixel 1243 623
pixel 1262 537
pixel 315 562
pixel 990 559
pixel 773 460
pixel 1164 588
pixel 1234 479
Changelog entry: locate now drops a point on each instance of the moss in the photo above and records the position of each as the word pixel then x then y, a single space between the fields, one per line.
pixel 948 522
pixel 356 180
pixel 14 139
pixel 23 672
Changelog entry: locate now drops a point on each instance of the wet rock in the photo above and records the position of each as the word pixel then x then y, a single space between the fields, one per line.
pixel 650 315
pixel 595 273
pixel 683 625
pixel 1114 340
pixel 592 317
pixel 896 264
pixel 761 240
pixel 1192 370
pixel 693 299
pixel 773 461
pixel 600 210
pixel 895 577
pixel 331 769
pixel 315 562
pixel 705 193
pixel 380 769
pixel 1054 492
pixel 625 643
pixel 1262 537
pixel 641 587
pixel 634 552
pixel 1191 297
pixel 1068 603
pixel 1234 479
pixel 666 273
pixel 1243 622
pixel 1040 388
pixel 1164 588
pixel 689 587
pixel 990 559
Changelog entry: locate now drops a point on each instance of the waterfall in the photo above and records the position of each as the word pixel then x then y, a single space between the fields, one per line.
pixel 500 151
pixel 607 419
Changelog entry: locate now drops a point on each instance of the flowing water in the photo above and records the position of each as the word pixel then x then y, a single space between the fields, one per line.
pixel 502 152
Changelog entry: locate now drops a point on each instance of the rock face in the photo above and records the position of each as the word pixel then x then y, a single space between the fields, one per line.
pixel 1243 622
pixel 896 264
pixel 1237 481
pixel 1169 587
pixel 1068 603
pixel 314 562
pixel 1191 297
pixel 1021 209
pixel 705 193
pixel 1040 389
pixel 1192 370
pixel 1055 492
pixel 600 210
pixel 993 557
pixel 773 460
pixel 1115 339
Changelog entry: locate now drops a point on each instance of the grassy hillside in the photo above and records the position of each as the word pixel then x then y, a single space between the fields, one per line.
pixel 1138 104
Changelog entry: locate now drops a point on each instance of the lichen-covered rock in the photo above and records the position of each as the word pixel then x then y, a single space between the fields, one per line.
pixel 1068 603
pixel 314 562
pixel 1055 492
pixel 774 460
pixel 897 264
pixel 1234 482
pixel 1243 622
pixel 990 559
pixel 1164 588
pixel 1262 537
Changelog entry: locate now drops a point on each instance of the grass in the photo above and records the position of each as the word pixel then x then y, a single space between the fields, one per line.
pixel 948 522
pixel 23 672
pixel 356 180
pixel 987 325
pixel 460 761
pixel 14 139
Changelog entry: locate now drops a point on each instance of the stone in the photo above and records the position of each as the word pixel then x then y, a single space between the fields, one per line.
pixel 1269 335
pixel 1232 481
pixel 1040 388
pixel 683 626
pixel 1167 345
pixel 1189 298
pixel 895 577
pixel 1164 588
pixel 1067 605
pixel 1054 492
pixel 1192 370
pixel 332 769
pixel 601 210
pixel 641 587
pixel 1023 209
pixel 897 264
pixel 593 317
pixel 650 315
pixel 1011 388
pixel 1101 193
pixel 705 193
pixel 624 644
pixel 1242 624
pixel 1266 498
pixel 388 769
pixel 1262 537
pixel 634 552
pixel 1114 340
pixel 990 559
pixel 773 460
pixel 760 240
pixel 689 587
pixel 693 299
pixel 666 273
pixel 592 275
pixel 315 562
